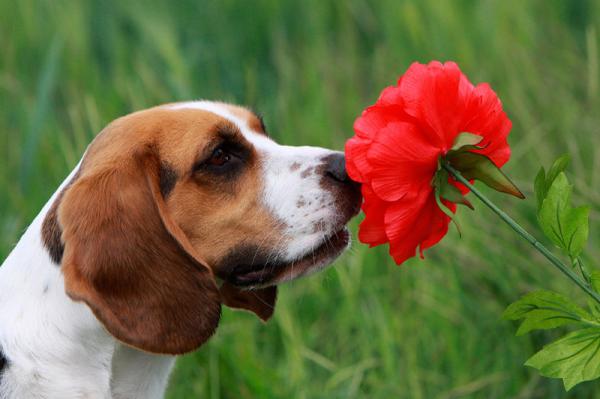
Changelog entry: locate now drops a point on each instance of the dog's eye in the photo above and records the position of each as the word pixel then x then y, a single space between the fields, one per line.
pixel 225 159
pixel 219 157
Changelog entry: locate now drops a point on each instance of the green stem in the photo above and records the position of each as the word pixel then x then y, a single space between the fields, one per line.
pixel 523 233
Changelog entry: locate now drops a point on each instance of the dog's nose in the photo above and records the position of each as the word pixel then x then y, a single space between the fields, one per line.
pixel 336 168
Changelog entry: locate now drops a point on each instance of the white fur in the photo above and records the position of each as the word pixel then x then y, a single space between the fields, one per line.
pixel 57 348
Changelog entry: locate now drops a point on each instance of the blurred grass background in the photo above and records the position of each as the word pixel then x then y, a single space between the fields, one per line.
pixel 364 328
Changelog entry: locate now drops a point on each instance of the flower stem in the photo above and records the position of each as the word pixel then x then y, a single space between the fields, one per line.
pixel 523 233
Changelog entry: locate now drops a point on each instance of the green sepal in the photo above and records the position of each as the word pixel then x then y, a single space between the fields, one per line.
pixel 440 180
pixel 466 139
pixel 544 310
pixel 451 193
pixel 574 358
pixel 448 191
pixel 448 212
pixel 474 166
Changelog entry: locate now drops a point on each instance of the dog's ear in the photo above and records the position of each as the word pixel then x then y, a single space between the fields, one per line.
pixel 260 301
pixel 132 264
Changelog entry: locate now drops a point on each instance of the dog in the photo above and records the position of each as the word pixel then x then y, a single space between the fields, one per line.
pixel 172 212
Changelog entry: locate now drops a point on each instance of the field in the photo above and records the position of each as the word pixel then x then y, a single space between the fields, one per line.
pixel 364 328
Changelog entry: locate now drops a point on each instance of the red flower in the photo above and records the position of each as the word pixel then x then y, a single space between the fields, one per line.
pixel 398 142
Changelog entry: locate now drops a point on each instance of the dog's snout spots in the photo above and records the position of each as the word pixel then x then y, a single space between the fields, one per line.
pixel 307 172
pixel 294 167
pixel 319 227
pixel 301 202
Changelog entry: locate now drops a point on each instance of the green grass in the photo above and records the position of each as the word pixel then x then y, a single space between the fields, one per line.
pixel 364 328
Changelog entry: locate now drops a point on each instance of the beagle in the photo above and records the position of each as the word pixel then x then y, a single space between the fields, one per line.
pixel 172 212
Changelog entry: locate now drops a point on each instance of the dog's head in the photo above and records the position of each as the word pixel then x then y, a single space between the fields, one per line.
pixel 182 207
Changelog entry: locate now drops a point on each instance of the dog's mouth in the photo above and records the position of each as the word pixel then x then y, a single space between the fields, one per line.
pixel 257 273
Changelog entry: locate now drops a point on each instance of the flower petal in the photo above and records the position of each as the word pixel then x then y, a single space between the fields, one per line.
pixel 436 94
pixel 372 229
pixel 439 224
pixel 400 159
pixel 418 224
pixel 484 116
pixel 401 216
pixel 357 165
pixel 390 96
pixel 371 121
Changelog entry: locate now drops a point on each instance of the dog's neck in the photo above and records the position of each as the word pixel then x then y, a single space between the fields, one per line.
pixel 56 347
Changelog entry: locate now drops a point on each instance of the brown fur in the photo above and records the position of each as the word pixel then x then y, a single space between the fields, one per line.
pixel 261 301
pixel 142 262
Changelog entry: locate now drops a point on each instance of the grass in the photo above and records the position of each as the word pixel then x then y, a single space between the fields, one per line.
pixel 364 328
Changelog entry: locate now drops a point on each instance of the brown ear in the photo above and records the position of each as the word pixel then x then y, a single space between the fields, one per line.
pixel 259 301
pixel 131 264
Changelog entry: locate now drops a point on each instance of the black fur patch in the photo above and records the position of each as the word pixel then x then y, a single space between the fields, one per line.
pixel 51 234
pixel 3 363
pixel 51 231
pixel 167 178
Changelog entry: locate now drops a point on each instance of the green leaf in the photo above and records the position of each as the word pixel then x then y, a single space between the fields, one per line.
pixel 594 309
pixel 565 225
pixel 543 310
pixel 479 167
pixel 595 280
pixel 557 167
pixel 466 139
pixel 574 358
pixel 544 181
pixel 539 186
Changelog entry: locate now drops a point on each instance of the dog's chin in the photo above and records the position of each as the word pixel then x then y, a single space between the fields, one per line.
pixel 315 259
